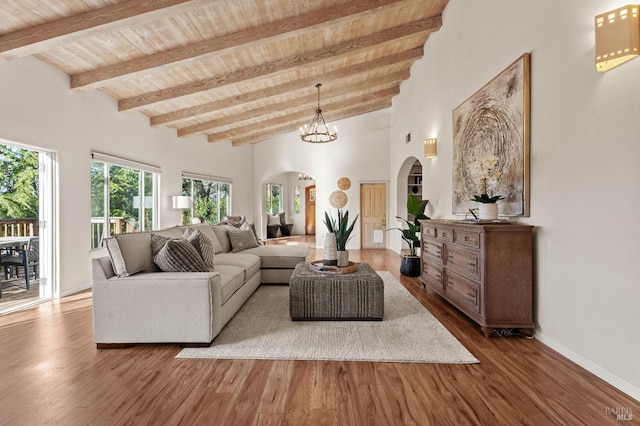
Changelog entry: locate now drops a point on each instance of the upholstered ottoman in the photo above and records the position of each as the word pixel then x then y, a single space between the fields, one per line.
pixel 317 295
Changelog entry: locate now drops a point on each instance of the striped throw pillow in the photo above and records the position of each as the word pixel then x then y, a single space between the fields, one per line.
pixel 204 246
pixel 176 255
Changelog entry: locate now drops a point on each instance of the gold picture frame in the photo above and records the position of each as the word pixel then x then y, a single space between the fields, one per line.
pixel 495 121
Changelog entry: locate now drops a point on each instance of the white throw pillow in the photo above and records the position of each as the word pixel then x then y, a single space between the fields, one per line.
pixel 274 219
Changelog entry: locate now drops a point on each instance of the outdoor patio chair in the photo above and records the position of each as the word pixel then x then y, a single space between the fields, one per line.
pixel 26 258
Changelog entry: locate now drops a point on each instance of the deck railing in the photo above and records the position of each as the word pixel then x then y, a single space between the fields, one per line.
pixel 20 227
pixel 117 225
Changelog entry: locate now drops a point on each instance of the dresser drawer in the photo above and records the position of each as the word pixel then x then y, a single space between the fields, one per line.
pixel 432 275
pixel 466 238
pixel 433 249
pixel 463 291
pixel 463 261
pixel 428 231
pixel 444 234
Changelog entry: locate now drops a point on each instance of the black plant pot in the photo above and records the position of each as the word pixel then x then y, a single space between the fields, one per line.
pixel 410 266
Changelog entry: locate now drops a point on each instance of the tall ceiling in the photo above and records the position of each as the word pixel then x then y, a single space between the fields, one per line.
pixel 239 70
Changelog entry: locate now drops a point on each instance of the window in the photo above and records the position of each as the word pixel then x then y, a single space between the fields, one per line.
pixel 274 198
pixel 123 195
pixel 211 196
pixel 296 199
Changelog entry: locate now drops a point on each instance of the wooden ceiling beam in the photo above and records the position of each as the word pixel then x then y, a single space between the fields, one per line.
pixel 399 58
pixel 239 119
pixel 320 56
pixel 300 116
pixel 228 43
pixel 32 40
pixel 288 127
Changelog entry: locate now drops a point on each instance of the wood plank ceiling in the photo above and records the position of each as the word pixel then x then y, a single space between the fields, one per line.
pixel 243 70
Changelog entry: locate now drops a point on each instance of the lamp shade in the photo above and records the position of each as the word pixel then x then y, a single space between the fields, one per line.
pixel 182 202
pixel 617 37
pixel 430 148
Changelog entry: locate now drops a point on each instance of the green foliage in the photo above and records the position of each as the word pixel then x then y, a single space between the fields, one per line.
pixel 415 210
pixel 484 198
pixel 340 227
pixel 210 200
pixel 18 182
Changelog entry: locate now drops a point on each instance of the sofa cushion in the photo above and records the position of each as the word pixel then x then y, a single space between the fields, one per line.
pixel 222 233
pixel 279 256
pixel 204 246
pixel 242 238
pixel 178 255
pixel 250 263
pixel 131 253
pixel 231 279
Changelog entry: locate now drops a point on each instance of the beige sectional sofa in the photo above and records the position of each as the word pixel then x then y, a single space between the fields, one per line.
pixel 134 302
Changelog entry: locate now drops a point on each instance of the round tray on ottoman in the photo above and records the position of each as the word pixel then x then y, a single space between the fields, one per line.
pixel 317 266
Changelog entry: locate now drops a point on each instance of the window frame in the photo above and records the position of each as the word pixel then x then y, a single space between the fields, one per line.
pixel 192 177
pixel 107 161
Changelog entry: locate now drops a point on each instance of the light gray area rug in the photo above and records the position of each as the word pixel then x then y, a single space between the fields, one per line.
pixel 262 329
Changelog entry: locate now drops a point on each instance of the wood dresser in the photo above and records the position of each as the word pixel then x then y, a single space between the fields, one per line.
pixel 485 270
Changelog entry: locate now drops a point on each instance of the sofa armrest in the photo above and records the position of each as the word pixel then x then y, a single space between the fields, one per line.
pixel 158 307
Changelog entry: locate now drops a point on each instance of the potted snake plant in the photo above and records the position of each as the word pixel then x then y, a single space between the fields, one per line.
pixel 343 231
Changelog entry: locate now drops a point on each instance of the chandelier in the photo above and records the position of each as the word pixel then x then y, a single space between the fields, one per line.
pixel 318 131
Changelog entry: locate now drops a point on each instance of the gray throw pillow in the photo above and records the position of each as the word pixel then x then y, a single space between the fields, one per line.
pixel 204 246
pixel 177 255
pixel 242 238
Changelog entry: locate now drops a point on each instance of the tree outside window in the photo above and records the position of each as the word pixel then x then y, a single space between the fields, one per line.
pixel 274 198
pixel 122 197
pixel 296 199
pixel 211 200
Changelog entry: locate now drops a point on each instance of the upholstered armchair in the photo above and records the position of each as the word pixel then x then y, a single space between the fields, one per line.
pixel 278 222
pixel 273 225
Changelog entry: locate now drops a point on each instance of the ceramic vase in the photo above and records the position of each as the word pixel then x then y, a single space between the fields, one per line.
pixel 330 252
pixel 343 258
pixel 488 211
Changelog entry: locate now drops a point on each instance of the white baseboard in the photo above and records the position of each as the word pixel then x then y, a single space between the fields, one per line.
pixel 615 381
pixel 76 290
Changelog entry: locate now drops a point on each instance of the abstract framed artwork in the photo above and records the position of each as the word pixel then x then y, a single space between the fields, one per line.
pixel 494 122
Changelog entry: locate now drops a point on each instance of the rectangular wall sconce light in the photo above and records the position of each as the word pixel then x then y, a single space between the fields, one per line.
pixel 182 202
pixel 617 37
pixel 430 148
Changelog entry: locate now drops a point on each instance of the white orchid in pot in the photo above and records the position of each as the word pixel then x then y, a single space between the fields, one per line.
pixel 488 175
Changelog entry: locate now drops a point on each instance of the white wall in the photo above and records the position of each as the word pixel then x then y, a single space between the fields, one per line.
pixel 584 171
pixel 361 153
pixel 39 109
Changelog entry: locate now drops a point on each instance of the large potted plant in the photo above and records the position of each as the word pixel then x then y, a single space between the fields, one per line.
pixel 342 229
pixel 410 265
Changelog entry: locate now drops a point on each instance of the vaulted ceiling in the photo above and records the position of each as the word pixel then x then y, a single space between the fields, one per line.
pixel 243 70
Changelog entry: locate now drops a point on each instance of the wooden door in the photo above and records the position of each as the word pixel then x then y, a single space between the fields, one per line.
pixel 373 215
pixel 310 210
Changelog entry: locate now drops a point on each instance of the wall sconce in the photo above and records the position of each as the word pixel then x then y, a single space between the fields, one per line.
pixel 182 202
pixel 430 148
pixel 617 37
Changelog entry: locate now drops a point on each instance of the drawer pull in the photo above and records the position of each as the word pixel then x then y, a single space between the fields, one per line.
pixel 466 238
pixel 471 295
pixel 444 234
pixel 473 264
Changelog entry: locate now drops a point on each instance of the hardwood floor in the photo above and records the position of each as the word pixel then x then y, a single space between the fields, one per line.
pixel 52 373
